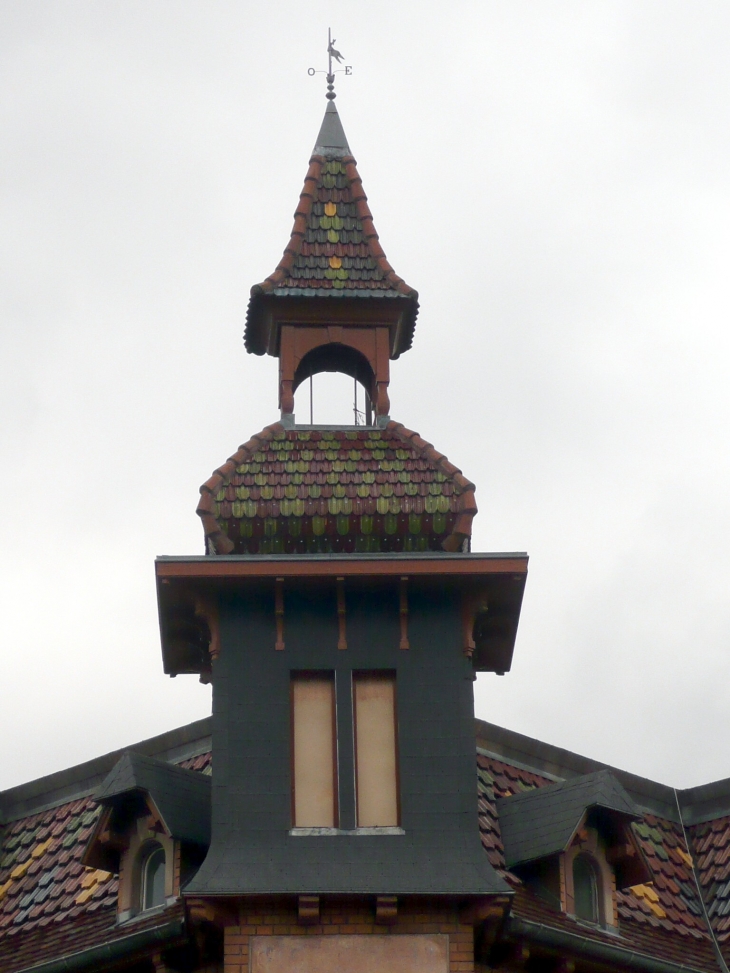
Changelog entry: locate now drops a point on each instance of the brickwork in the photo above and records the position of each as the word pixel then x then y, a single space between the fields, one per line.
pixel 349 917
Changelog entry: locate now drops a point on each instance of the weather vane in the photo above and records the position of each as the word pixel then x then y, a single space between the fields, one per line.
pixel 332 52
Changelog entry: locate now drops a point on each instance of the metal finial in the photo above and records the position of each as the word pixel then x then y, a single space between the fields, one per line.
pixel 332 52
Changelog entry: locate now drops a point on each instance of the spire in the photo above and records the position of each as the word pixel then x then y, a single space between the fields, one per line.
pixel 331 141
pixel 333 252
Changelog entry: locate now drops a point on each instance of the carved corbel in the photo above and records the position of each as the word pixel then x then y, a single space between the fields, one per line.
pixel 472 605
pixel 308 909
pixel 484 910
pixel 218 912
pixel 386 909
pixel 206 609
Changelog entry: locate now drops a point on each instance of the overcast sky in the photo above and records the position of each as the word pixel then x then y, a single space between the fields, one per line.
pixel 553 179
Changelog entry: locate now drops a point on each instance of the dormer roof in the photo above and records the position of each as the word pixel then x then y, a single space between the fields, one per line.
pixel 182 797
pixel 333 252
pixel 542 822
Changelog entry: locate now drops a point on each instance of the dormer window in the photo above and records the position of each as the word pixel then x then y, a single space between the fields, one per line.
pixel 571 843
pixel 152 886
pixel 585 889
pixel 153 831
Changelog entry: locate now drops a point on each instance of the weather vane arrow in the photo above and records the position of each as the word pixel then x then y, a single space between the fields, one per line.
pixel 332 53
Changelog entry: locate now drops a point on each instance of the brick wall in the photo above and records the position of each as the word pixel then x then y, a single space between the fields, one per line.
pixel 348 917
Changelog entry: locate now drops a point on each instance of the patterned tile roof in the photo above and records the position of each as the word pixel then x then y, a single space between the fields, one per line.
pixel 50 904
pixel 333 250
pixel 663 919
pixel 711 846
pixel 296 491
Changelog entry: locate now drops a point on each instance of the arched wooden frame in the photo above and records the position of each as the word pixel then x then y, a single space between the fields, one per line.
pixel 363 353
pixel 588 842
pixel 141 838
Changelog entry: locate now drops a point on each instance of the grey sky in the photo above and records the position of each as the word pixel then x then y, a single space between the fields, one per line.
pixel 552 177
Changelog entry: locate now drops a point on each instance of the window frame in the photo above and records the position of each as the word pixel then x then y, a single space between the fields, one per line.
pixel 313 675
pixel 391 676
pixel 148 853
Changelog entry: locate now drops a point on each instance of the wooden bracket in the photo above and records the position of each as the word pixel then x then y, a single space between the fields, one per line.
pixel 386 909
pixel 217 912
pixel 206 608
pixel 308 909
pixel 153 820
pixel 279 612
pixel 404 643
pixel 471 606
pixel 341 616
pixel 477 911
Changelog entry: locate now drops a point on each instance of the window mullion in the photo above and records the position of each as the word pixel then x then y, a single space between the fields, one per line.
pixel 345 749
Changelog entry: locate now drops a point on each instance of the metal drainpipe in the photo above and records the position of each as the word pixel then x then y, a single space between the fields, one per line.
pixel 720 958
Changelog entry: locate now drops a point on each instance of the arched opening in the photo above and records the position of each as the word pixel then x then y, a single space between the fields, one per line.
pixel 586 889
pixel 333 399
pixel 152 886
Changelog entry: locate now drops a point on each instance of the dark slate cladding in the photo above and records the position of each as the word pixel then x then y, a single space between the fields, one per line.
pixel 252 850
pixel 542 822
pixel 181 796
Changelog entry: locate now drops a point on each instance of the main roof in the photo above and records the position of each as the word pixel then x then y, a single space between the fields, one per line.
pixel 51 906
pixel 333 250
pixel 308 491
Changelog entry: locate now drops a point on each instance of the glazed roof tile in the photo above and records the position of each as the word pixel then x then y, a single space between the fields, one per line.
pixel 711 847
pixel 368 490
pixel 662 919
pixel 50 904
pixel 333 250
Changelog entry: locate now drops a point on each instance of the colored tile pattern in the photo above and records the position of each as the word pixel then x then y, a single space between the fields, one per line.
pixel 321 492
pixel 50 904
pixel 711 847
pixel 664 917
pixel 334 248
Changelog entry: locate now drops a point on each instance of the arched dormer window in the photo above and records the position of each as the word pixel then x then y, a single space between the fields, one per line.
pixel 586 894
pixel 152 886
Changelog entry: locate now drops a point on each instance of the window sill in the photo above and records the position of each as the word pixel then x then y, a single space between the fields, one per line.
pixel 128 918
pixel 330 832
pixel 599 926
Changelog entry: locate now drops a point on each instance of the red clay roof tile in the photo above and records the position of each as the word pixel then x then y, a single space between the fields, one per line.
pixel 336 491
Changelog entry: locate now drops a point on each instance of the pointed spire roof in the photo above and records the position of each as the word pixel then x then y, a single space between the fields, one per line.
pixel 333 250
pixel 331 141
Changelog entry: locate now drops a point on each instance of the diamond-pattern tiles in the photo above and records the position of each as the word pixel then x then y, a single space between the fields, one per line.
pixel 319 492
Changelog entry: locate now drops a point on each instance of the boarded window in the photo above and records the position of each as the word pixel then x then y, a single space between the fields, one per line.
pixel 376 750
pixel 314 751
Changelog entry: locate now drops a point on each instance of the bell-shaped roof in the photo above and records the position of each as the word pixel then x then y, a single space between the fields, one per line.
pixel 333 250
pixel 330 491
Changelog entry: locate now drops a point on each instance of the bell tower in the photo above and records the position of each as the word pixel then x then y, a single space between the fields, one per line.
pixel 341 616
